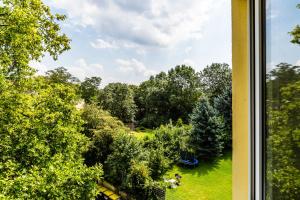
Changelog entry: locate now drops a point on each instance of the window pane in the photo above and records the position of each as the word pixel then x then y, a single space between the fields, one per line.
pixel 282 99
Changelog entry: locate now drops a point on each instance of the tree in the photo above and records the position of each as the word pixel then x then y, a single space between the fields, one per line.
pixel 183 90
pixel 61 75
pixel 28 31
pixel 41 144
pixel 279 78
pixel 152 101
pixel 117 98
pixel 89 89
pixel 215 78
pixel 283 141
pixel 125 150
pixel 166 97
pixel 206 138
pixel 101 128
pixel 295 33
pixel 223 105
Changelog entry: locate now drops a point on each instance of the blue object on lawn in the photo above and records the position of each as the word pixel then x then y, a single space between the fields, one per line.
pixel 192 162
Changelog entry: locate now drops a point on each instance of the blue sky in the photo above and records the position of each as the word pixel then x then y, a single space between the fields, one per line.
pixel 129 40
pixel 282 17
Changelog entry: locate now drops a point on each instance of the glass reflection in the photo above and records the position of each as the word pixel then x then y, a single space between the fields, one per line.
pixel 283 100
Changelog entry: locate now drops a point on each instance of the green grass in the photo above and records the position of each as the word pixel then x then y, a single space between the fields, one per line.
pixel 209 181
pixel 142 134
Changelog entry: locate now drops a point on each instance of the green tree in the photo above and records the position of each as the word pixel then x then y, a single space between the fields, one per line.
pixel 126 149
pixel 152 101
pixel 118 99
pixel 183 90
pixel 295 33
pixel 89 89
pixel 28 31
pixel 207 138
pixel 215 78
pixel 166 97
pixel 283 173
pixel 41 144
pixel 61 75
pixel 223 105
pixel 101 128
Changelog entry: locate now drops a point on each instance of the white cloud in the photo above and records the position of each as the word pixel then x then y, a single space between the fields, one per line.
pixel 134 66
pixel 39 66
pixel 189 62
pixel 102 44
pixel 149 23
pixel 298 63
pixel 187 50
pixel 83 69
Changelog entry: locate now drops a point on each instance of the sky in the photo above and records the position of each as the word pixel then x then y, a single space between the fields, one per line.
pixel 130 40
pixel 282 17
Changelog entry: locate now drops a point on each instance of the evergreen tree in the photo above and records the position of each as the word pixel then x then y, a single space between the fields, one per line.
pixel 206 138
pixel 223 104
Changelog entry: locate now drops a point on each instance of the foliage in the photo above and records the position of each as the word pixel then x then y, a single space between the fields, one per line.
pixel 283 172
pixel 117 98
pixel 152 101
pixel 295 33
pixel 215 78
pixel 223 105
pixel 279 78
pixel 28 30
pixel 165 148
pixel 167 96
pixel 183 90
pixel 207 137
pixel 101 128
pixel 41 143
pixel 89 89
pixel 61 75
pixel 125 150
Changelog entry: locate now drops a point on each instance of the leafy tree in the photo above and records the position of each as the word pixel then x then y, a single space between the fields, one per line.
pixel 152 101
pixel 89 89
pixel 137 179
pixel 61 75
pixel 101 128
pixel 283 140
pixel 28 31
pixel 279 78
pixel 183 91
pixel 117 98
pixel 41 144
pixel 223 105
pixel 126 149
pixel 215 78
pixel 166 97
pixel 295 33
pixel 207 138
pixel 166 147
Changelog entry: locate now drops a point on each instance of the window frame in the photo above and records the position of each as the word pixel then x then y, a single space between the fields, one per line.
pixel 257 90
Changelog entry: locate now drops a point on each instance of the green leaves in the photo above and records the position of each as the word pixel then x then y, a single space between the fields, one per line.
pixel 30 31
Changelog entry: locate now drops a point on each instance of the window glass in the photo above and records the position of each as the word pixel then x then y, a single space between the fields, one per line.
pixel 282 99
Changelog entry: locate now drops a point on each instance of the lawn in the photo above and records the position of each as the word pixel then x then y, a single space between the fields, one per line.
pixel 208 181
pixel 140 134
